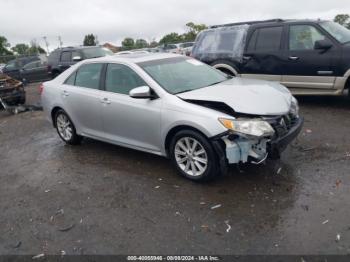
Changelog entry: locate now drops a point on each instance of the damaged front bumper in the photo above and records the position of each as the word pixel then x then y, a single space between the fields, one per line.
pixel 233 148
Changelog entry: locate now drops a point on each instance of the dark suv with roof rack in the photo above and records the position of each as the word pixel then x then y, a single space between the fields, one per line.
pixel 63 58
pixel 308 56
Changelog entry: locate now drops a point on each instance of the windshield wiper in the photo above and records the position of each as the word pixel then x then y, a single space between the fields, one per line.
pixel 215 83
pixel 184 91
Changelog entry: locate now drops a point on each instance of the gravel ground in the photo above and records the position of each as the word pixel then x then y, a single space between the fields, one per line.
pixel 98 198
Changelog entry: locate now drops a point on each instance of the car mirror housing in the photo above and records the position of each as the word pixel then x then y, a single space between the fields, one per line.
pixel 323 44
pixel 77 58
pixel 141 92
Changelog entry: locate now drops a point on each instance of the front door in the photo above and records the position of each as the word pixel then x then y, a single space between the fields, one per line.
pixel 129 121
pixel 306 67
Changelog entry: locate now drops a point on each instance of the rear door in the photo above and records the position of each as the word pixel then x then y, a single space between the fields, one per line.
pixel 81 96
pixel 263 54
pixel 304 66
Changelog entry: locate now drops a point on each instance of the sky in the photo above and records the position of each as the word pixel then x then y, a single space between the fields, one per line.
pixel 112 20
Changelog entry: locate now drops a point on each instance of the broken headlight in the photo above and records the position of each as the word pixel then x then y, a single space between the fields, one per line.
pixel 294 107
pixel 251 127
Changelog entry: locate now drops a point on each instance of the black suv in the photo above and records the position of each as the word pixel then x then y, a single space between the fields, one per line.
pixel 308 56
pixel 62 58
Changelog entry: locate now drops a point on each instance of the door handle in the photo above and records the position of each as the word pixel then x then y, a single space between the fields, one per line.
pixel 65 93
pixel 246 57
pixel 105 100
pixel 293 58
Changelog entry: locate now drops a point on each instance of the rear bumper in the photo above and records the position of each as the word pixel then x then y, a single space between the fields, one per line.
pixel 276 147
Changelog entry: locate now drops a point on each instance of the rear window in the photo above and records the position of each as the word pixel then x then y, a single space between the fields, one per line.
pixel 223 40
pixel 66 56
pixel 89 76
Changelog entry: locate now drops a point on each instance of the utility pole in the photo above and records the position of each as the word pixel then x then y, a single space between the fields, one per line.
pixel 47 44
pixel 60 42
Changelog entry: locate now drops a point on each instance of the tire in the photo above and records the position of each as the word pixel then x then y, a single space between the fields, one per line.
pixel 66 129
pixel 231 70
pixel 186 160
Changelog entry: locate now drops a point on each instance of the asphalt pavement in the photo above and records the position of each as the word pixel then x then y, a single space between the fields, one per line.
pixel 98 198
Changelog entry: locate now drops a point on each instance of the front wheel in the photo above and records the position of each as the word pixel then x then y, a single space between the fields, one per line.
pixel 65 128
pixel 193 156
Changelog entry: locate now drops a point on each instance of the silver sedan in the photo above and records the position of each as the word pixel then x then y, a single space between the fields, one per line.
pixel 173 106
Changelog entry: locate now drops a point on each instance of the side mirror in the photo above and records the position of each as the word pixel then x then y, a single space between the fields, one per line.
pixel 77 58
pixel 323 44
pixel 141 92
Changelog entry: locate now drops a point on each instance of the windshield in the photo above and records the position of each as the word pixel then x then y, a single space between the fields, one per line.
pixel 337 31
pixel 181 74
pixel 96 52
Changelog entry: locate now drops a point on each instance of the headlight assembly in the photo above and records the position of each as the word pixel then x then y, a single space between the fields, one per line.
pixel 294 107
pixel 251 127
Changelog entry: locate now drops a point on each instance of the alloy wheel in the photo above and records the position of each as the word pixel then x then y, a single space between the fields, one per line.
pixel 191 156
pixel 64 127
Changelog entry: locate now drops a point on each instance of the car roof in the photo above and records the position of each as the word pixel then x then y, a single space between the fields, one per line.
pixel 269 22
pixel 134 57
pixel 70 48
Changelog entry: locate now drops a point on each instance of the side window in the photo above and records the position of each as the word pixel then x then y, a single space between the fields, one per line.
pixel 71 80
pixel 269 39
pixel 121 79
pixel 303 37
pixel 75 53
pixel 89 76
pixel 66 56
pixel 252 41
pixel 11 65
pixel 30 65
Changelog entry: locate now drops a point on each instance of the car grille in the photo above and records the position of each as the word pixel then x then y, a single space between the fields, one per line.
pixel 282 124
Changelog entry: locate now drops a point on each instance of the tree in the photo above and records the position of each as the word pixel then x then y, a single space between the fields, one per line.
pixel 128 43
pixel 343 19
pixel 193 31
pixel 153 43
pixel 21 49
pixel 171 38
pixel 141 43
pixel 90 40
pixel 3 46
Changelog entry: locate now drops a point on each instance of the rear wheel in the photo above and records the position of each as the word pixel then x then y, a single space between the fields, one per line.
pixel 193 156
pixel 225 66
pixel 66 129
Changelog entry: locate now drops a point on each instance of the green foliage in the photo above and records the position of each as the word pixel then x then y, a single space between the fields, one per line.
pixel 3 46
pixel 90 40
pixel 128 43
pixel 153 44
pixel 193 31
pixel 21 49
pixel 141 43
pixel 24 49
pixel 191 34
pixel 343 19
pixel 171 38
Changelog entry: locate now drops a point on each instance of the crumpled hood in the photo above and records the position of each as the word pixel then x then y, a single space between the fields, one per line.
pixel 247 96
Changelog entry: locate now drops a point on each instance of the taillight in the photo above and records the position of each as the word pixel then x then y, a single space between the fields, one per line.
pixel 41 88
